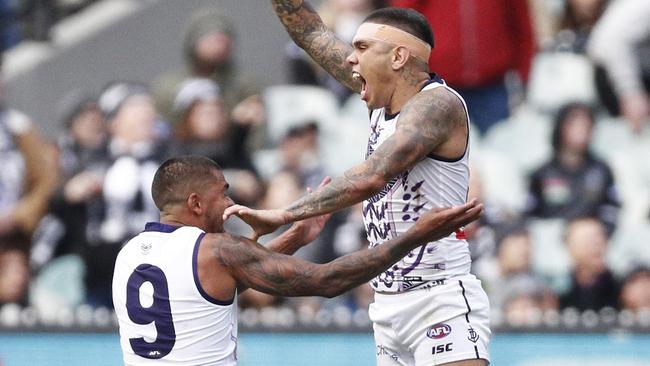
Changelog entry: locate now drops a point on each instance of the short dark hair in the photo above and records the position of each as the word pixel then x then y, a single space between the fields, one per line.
pixel 177 177
pixel 405 19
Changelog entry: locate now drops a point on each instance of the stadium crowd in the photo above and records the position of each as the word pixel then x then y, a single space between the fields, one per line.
pixel 558 92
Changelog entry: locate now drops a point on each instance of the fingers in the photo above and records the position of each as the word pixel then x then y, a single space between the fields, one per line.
pixel 325 181
pixel 234 210
pixel 471 215
pixel 467 205
pixel 451 212
pixel 463 214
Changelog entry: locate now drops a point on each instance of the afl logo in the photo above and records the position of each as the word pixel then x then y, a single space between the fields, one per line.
pixel 439 331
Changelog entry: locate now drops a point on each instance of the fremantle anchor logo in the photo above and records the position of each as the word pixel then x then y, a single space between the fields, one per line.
pixel 473 336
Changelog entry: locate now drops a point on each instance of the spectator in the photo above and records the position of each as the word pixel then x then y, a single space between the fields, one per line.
pixel 526 298
pixel 574 183
pixel 205 129
pixel 481 234
pixel 299 152
pixel 509 275
pixel 300 155
pixel 208 49
pixel 593 285
pixel 635 291
pixel 27 180
pixel 620 45
pixel 576 24
pixel 126 203
pixel 477 44
pixel 83 162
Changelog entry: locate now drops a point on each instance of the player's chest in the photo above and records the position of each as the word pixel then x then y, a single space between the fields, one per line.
pixel 380 131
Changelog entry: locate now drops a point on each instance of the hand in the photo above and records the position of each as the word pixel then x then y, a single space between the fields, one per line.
pixel 635 108
pixel 261 221
pixel 82 187
pixel 249 112
pixel 439 223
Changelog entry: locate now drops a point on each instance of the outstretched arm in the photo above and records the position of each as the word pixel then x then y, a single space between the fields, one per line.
pixel 301 232
pixel 425 122
pixel 254 266
pixel 308 31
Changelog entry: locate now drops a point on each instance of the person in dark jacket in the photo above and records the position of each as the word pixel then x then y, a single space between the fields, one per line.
pixel 574 183
pixel 593 285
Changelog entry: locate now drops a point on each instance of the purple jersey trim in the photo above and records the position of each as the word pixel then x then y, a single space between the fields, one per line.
pixel 195 272
pixel 157 226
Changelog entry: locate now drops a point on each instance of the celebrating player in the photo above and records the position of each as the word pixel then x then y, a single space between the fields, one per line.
pixel 428 308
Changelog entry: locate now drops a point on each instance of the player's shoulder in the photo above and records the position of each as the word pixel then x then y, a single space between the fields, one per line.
pixel 439 94
pixel 431 102
pixel 219 240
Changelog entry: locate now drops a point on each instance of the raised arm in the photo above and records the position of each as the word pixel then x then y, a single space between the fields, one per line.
pixel 306 28
pixel 254 266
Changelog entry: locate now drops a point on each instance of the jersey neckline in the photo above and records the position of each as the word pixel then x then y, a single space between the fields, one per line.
pixel 433 78
pixel 160 227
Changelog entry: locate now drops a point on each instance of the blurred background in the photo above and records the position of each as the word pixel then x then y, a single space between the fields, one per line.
pixel 95 94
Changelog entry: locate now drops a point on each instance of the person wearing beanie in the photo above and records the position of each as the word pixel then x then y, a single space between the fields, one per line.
pixel 203 129
pixel 208 50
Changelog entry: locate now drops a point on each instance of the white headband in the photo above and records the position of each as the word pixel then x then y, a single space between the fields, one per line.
pixel 396 36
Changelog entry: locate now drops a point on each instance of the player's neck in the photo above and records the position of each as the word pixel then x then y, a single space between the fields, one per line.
pixel 404 90
pixel 572 160
pixel 174 219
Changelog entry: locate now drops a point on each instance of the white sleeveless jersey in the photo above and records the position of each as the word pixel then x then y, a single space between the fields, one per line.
pixel 165 316
pixel 432 183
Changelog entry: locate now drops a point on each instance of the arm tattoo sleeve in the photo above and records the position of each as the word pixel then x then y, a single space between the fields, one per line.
pixel 308 31
pixel 287 243
pixel 424 123
pixel 254 266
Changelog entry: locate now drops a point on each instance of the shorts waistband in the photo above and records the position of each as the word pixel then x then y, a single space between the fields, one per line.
pixel 421 286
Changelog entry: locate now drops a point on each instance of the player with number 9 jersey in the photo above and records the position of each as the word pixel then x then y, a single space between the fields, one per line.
pixel 165 315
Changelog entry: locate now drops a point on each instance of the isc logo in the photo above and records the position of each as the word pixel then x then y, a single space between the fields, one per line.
pixel 439 331
pixel 441 348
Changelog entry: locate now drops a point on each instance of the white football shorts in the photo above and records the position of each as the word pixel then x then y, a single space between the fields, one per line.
pixel 443 321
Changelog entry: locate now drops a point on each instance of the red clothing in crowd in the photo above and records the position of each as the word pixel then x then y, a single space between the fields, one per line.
pixel 477 41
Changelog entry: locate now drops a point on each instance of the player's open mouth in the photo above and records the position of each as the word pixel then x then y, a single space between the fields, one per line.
pixel 357 76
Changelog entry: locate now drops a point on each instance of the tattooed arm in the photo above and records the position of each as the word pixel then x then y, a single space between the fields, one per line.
pixel 299 234
pixel 252 265
pixel 308 31
pixel 426 122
